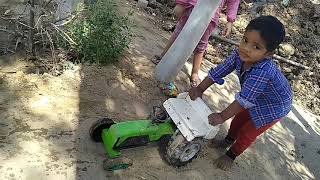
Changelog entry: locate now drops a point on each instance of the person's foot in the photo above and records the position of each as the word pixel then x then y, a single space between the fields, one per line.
pixel 219 143
pixel 156 59
pixel 224 162
pixel 194 80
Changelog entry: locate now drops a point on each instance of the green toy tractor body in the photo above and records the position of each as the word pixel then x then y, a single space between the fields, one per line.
pixel 133 133
pixel 180 125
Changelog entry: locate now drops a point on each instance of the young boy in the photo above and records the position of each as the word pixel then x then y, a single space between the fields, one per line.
pixel 265 96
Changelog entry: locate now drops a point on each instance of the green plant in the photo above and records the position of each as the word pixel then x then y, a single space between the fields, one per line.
pixel 103 35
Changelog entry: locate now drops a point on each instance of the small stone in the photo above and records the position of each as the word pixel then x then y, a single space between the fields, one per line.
pixel 293 11
pixel 172 3
pixel 19 73
pixel 317 25
pixel 168 26
pixel 162 1
pixel 316 12
pixel 298 87
pixel 309 73
pixel 142 3
pixel 299 77
pixel 7 12
pixel 210 49
pixel 286 70
pixel 285 2
pixel 154 4
pixel 209 57
pixel 213 59
pixel 150 10
pixel 286 50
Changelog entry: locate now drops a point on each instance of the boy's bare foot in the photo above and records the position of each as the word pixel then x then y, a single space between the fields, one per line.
pixel 223 162
pixel 222 143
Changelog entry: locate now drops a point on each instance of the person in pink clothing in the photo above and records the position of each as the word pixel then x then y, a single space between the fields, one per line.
pixel 182 12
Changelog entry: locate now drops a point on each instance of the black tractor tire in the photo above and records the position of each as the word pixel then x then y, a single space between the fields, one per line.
pixel 97 128
pixel 184 153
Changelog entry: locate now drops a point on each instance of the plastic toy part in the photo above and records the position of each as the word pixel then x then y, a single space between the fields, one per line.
pixel 191 117
pixel 133 133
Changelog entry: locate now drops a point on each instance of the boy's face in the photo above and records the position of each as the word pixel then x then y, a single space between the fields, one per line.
pixel 253 48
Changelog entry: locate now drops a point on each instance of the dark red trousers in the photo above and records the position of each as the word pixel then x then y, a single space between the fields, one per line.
pixel 243 132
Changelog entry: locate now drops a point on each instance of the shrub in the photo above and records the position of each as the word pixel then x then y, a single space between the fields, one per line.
pixel 103 35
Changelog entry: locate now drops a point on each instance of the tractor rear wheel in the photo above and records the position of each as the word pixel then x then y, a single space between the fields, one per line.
pixel 97 128
pixel 178 152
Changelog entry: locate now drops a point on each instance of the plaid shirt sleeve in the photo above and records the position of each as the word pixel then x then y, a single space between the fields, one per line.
pixel 216 74
pixel 252 87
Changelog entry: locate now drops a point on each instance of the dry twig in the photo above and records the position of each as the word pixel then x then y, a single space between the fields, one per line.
pixel 51 44
pixel 64 34
pixel 7 31
pixel 31 35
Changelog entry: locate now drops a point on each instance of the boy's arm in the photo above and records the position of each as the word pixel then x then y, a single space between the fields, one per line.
pixel 232 9
pixel 215 76
pixel 205 84
pixel 219 118
pixel 196 92
pixel 254 85
pixel 233 109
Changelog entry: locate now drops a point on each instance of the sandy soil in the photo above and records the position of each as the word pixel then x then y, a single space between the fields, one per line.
pixel 44 122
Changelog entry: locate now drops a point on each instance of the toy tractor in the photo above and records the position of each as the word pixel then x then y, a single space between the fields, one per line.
pixel 180 126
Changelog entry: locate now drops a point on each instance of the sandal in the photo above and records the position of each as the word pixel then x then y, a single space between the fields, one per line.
pixel 169 90
pixel 195 82
pixel 156 59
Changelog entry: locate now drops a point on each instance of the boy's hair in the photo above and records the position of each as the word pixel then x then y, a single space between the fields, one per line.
pixel 271 30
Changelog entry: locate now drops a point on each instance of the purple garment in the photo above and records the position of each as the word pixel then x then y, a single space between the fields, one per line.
pixel 203 43
pixel 232 8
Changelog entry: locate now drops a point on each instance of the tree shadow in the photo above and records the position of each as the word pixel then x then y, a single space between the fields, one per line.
pixel 33 139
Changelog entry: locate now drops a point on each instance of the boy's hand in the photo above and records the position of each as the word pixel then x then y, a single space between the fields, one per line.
pixel 227 29
pixel 215 119
pixel 195 92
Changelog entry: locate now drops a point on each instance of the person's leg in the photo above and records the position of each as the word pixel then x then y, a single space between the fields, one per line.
pixel 245 137
pixel 236 124
pixel 168 45
pixel 176 32
pixel 179 11
pixel 198 54
pixel 197 60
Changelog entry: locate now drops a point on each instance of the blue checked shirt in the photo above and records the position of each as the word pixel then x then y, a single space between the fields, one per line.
pixel 265 91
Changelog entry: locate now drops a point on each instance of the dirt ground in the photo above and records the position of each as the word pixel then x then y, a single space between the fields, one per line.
pixel 44 121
